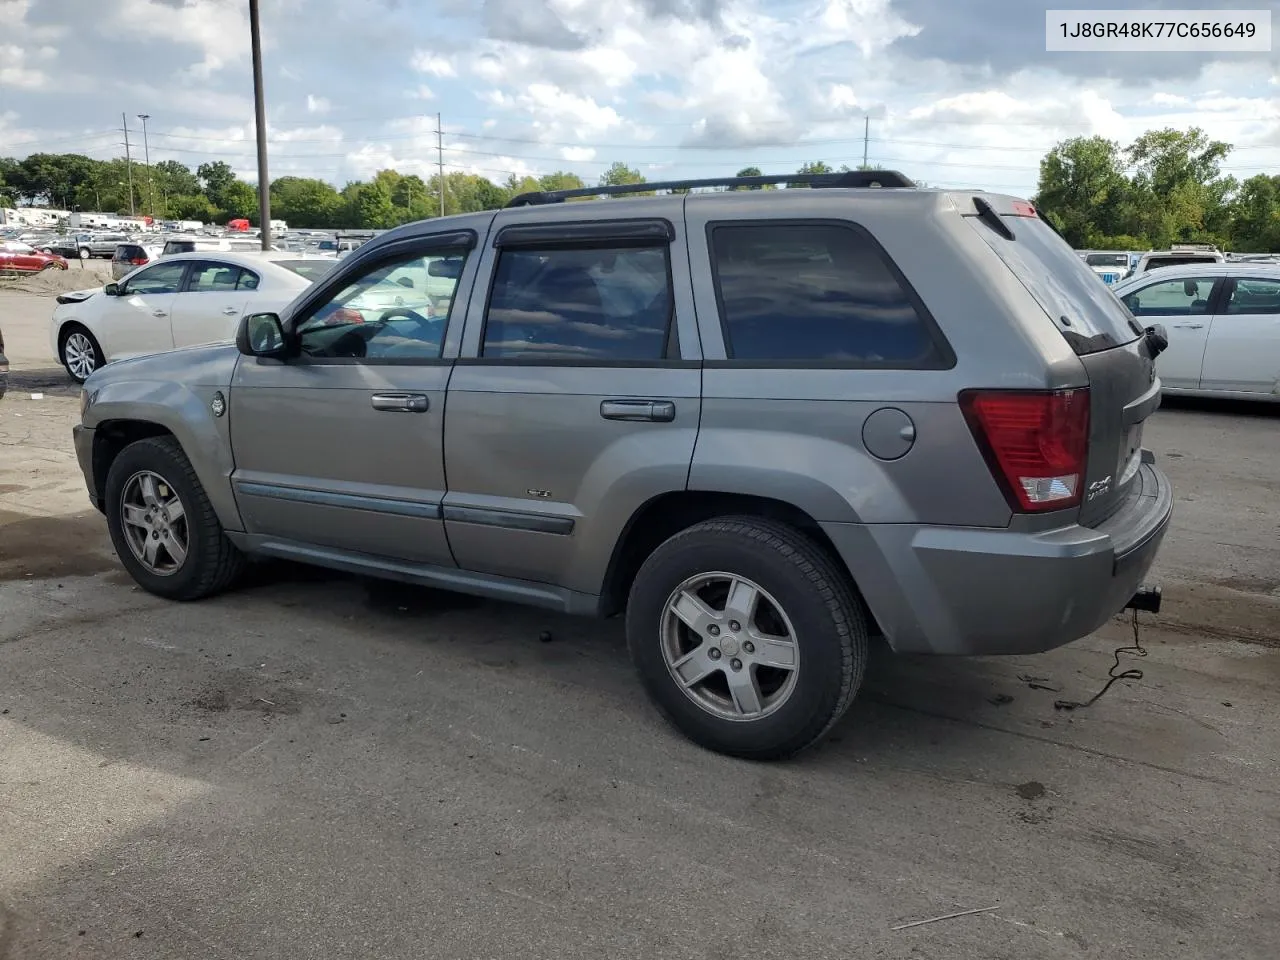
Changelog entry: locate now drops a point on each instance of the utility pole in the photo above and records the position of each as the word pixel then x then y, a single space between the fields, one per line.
pixel 866 136
pixel 146 147
pixel 260 116
pixel 440 160
pixel 128 162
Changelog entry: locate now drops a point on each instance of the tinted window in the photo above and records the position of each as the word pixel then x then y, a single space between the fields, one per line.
pixel 1171 298
pixel 816 292
pixel 1107 260
pixel 395 310
pixel 1254 296
pixel 587 304
pixel 179 246
pixel 1155 263
pixel 1085 311
pixel 162 278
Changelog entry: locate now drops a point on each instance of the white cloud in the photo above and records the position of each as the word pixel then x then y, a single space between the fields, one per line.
pixel 421 92
pixel 425 61
pixel 14 71
pixel 1170 100
pixel 219 28
pixel 317 104
pixel 578 154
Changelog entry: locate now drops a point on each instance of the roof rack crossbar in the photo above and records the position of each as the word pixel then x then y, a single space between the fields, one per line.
pixel 851 178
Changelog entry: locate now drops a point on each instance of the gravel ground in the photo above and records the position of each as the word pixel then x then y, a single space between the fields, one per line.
pixel 315 766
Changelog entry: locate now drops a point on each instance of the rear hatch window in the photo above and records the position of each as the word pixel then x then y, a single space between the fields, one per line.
pixel 1085 311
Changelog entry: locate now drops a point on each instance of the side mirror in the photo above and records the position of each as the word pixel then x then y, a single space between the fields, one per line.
pixel 112 289
pixel 262 335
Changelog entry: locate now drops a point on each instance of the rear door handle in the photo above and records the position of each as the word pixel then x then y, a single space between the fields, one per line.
pixel 159 313
pixel 659 411
pixel 401 402
pixel 231 311
pixel 1188 326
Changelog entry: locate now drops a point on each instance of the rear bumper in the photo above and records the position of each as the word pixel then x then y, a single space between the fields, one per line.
pixel 964 590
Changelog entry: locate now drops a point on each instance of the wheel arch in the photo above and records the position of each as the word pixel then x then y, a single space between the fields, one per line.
pixel 667 514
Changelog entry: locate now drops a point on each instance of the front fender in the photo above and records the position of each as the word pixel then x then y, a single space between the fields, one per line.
pixel 185 411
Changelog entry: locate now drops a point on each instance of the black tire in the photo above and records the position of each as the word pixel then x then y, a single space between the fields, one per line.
pixel 829 619
pixel 64 335
pixel 212 562
pixel 85 253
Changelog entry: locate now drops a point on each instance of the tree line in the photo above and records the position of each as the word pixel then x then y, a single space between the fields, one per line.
pixel 1165 187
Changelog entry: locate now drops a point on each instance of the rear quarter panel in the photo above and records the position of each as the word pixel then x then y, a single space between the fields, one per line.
pixel 795 433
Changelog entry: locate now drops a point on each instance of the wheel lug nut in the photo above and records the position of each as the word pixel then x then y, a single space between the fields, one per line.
pixel 714 653
pixel 735 663
pixel 749 647
pixel 735 626
pixel 713 630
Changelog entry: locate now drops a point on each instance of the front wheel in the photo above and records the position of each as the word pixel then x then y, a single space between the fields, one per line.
pixel 163 526
pixel 747 636
pixel 81 354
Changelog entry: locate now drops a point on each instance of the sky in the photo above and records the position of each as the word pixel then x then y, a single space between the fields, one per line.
pixel 951 92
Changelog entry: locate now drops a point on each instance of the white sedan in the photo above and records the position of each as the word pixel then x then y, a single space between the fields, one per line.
pixel 177 301
pixel 1223 324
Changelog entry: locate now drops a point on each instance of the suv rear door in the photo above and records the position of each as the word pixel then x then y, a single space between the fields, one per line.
pixel 577 395
pixel 1123 387
pixel 211 302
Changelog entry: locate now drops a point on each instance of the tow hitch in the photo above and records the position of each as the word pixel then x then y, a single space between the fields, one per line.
pixel 1147 598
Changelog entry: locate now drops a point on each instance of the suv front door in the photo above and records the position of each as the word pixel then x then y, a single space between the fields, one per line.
pixel 1184 306
pixel 577 395
pixel 341 448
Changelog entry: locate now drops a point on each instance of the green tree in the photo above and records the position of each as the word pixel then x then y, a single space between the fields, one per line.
pixel 1083 188
pixel 304 202
pixel 1255 215
pixel 217 178
pixel 372 206
pixel 8 192
pixel 239 202
pixel 195 206
pixel 752 172
pixel 560 180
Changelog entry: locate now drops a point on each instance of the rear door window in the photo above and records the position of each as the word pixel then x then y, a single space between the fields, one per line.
pixel 1086 313
pixel 1171 298
pixel 1254 297
pixel 209 276
pixel 820 292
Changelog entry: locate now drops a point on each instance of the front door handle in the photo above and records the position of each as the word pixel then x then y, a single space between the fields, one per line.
pixel 1189 326
pixel 159 313
pixel 401 402
pixel 231 311
pixel 657 411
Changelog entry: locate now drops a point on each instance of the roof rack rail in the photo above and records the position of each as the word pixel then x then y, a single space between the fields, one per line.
pixel 851 178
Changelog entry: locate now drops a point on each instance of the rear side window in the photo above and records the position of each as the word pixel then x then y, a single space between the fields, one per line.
pixel 1254 296
pixel 179 246
pixel 1155 263
pixel 1171 298
pixel 598 303
pixel 209 277
pixel 1085 311
pixel 818 292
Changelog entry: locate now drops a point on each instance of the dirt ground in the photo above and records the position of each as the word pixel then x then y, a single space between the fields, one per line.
pixel 314 766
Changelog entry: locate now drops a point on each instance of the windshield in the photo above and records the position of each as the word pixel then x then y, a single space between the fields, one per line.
pixel 310 269
pixel 1107 260
pixel 1084 309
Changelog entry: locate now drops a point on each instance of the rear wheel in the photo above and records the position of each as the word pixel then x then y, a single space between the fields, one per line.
pixel 163 526
pixel 81 354
pixel 747 636
pixel 85 253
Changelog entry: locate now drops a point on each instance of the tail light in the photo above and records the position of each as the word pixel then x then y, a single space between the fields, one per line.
pixel 138 261
pixel 1036 443
pixel 346 315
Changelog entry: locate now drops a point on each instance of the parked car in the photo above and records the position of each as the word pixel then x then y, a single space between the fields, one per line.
pixel 762 424
pixel 1223 326
pixel 4 368
pixel 63 246
pixel 129 256
pixel 100 245
pixel 1179 255
pixel 177 301
pixel 16 257
pixel 1109 266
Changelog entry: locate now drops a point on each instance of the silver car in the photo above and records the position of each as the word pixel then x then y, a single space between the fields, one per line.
pixel 763 426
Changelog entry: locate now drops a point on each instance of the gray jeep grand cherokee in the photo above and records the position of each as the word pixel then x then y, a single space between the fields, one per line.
pixel 762 424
